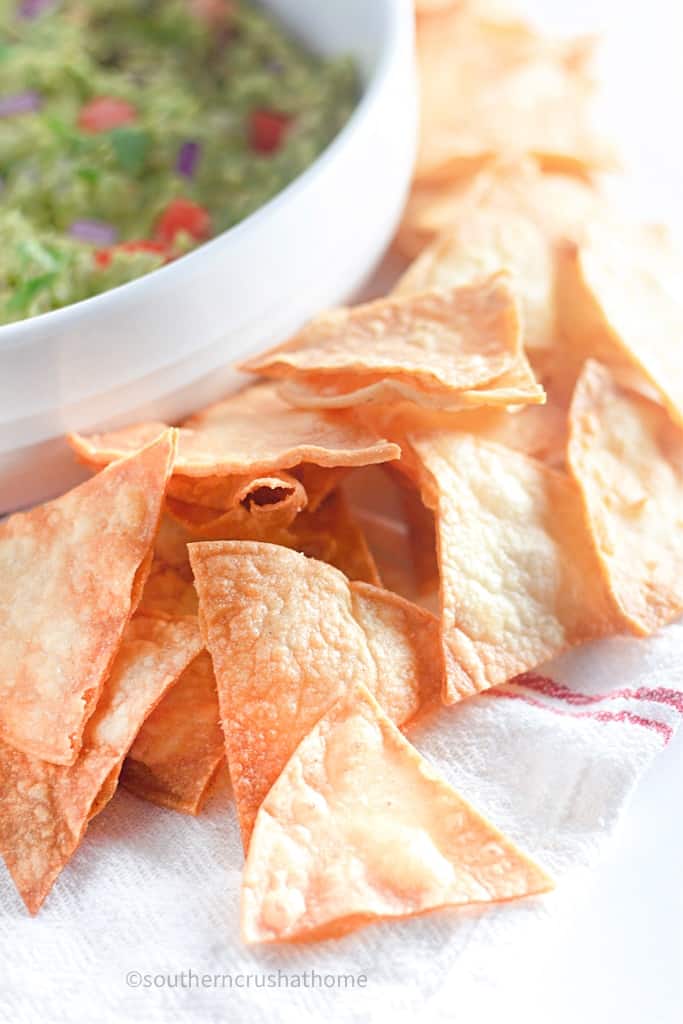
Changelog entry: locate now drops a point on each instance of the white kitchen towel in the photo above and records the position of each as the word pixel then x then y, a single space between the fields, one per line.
pixel 142 926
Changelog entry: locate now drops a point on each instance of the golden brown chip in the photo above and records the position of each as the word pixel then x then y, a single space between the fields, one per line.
pixel 490 87
pixel 620 301
pixel 289 634
pixel 318 482
pixel 268 502
pixel 333 534
pixel 250 432
pixel 180 746
pixel 167 593
pixel 44 808
pixel 442 341
pixel 71 575
pixel 512 217
pixel 359 827
pixel 627 458
pixel 520 580
pixel 260 495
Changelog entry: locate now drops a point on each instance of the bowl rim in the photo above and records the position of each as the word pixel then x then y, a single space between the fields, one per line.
pixel 397 11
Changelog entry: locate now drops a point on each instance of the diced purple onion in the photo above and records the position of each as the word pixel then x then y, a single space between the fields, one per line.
pixel 30 9
pixel 97 232
pixel 20 103
pixel 188 155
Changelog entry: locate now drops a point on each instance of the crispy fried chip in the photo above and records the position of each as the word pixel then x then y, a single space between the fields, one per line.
pixel 519 577
pixel 71 575
pixel 250 432
pixel 627 458
pixel 167 593
pixel 277 493
pixel 289 634
pixel 443 341
pixel 180 746
pixel 620 301
pixel 44 808
pixel 517 386
pixel 360 827
pixel 512 217
pixel 491 87
pixel 332 534
pixel 318 482
pixel 271 501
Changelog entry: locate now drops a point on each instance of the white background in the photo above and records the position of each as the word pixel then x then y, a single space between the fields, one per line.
pixel 621 955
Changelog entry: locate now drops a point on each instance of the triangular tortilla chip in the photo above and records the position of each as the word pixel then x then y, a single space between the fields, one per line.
pixel 359 827
pixel 520 580
pixel 180 746
pixel 440 342
pixel 513 216
pixel 288 635
pixel 71 575
pixel 490 87
pixel 44 808
pixel 627 458
pixel 250 432
pixel 517 386
pixel 619 296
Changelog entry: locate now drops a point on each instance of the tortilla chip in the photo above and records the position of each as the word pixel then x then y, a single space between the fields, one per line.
pixel 442 341
pixel 620 301
pixel 257 494
pixel 271 501
pixel 517 386
pixel 167 593
pixel 44 808
pixel 250 432
pixel 289 634
pixel 333 534
pixel 520 580
pixel 318 482
pixel 180 747
pixel 359 827
pixel 71 575
pixel 627 458
pixel 492 87
pixel 513 217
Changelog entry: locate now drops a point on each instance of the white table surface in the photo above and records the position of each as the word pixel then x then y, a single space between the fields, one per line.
pixel 619 957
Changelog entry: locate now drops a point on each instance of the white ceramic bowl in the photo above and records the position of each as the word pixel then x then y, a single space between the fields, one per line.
pixel 161 346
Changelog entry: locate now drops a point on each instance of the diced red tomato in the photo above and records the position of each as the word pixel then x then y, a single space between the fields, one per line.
pixel 104 113
pixel 267 129
pixel 183 215
pixel 103 257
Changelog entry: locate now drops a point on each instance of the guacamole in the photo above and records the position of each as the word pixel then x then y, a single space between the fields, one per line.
pixel 133 130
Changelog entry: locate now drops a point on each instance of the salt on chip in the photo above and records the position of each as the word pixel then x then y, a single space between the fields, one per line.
pixel 253 431
pixel 45 808
pixel 180 746
pixel 493 87
pixel 287 635
pixel 626 456
pixel 71 575
pixel 360 827
pixel 520 580
pixel 619 295
pixel 444 341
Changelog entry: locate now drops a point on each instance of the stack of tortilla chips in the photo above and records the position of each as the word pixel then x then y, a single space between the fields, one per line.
pixel 210 595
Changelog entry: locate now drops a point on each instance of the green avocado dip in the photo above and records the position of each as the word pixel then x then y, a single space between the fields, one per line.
pixel 133 130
